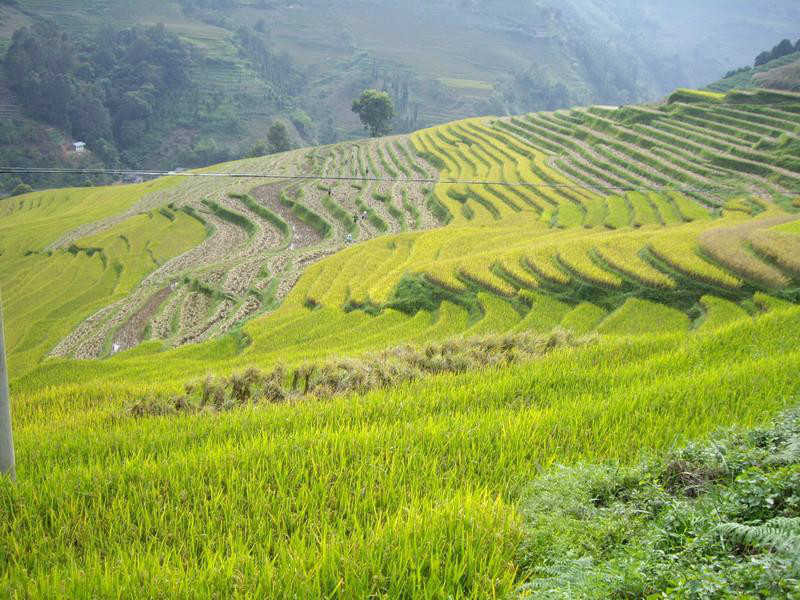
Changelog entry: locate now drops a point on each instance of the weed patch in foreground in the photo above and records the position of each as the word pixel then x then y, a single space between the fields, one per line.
pixel 719 519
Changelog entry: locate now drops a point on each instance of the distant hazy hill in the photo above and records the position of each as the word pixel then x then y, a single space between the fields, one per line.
pixel 304 61
pixel 780 74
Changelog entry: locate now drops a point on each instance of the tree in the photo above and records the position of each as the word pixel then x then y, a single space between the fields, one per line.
pixel 797 46
pixel 763 58
pixel 258 149
pixel 782 49
pixel 375 109
pixel 22 188
pixel 278 138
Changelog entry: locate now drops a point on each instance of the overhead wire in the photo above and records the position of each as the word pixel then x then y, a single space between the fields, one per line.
pixel 354 178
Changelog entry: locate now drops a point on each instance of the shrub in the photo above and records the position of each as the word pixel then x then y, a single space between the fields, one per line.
pixel 719 519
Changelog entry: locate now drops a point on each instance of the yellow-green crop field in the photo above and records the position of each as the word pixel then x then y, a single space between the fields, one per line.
pixel 664 238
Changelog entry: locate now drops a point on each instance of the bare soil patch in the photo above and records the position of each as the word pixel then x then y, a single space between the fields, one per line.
pixel 270 197
pixel 132 332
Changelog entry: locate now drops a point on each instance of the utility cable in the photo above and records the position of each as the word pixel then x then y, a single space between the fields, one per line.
pixel 352 178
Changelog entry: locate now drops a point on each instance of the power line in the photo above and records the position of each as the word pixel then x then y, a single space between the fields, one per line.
pixel 356 178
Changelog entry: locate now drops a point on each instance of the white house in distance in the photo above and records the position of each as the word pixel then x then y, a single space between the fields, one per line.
pixel 78 147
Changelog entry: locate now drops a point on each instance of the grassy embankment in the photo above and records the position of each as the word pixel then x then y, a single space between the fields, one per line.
pixel 413 488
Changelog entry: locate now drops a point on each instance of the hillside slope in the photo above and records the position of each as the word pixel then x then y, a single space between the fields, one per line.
pixel 600 215
pixel 648 255
pixel 779 74
pixel 304 62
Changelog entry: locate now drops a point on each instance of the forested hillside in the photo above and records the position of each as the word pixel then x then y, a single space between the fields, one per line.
pixel 778 68
pixel 207 85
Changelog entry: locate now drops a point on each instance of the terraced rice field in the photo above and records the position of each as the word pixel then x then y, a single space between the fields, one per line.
pixel 181 261
pixel 594 208
pixel 654 249
pixel 414 490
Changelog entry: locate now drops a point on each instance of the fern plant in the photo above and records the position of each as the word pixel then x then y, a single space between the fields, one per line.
pixel 565 579
pixel 789 455
pixel 781 534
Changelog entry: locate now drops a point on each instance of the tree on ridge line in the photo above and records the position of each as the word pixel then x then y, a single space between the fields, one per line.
pixel 376 110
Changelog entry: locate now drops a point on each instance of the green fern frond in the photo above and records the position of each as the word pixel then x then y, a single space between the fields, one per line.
pixel 781 534
pixel 569 574
pixel 789 455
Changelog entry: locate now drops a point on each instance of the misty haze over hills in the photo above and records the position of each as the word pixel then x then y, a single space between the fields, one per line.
pixel 246 63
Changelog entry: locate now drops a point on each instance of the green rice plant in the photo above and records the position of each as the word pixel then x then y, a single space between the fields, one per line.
pixel 307 216
pixel 577 259
pixel 596 212
pixel 496 233
pixel 440 479
pixel 719 312
pixel 498 316
pixel 372 215
pixel 726 247
pixel 338 213
pixel 733 119
pixel 546 313
pixel 543 265
pixel 387 168
pixel 680 252
pixel 230 216
pixel 583 318
pixel 406 155
pixel 619 213
pixel 411 210
pixel 637 317
pixel 46 294
pixel 569 215
pixel 710 127
pixel 512 267
pixel 667 211
pixel 643 211
pixel 623 255
pixel 479 270
pixel 264 213
pixel 779 245
pixel 389 149
pixel 689 210
pixel 767 303
pixel 444 274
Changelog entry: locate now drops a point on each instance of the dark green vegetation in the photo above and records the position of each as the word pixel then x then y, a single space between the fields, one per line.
pixel 375 110
pixel 784 48
pixel 716 519
pixel 778 68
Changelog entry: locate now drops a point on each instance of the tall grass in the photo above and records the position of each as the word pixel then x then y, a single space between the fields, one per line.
pixel 408 492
